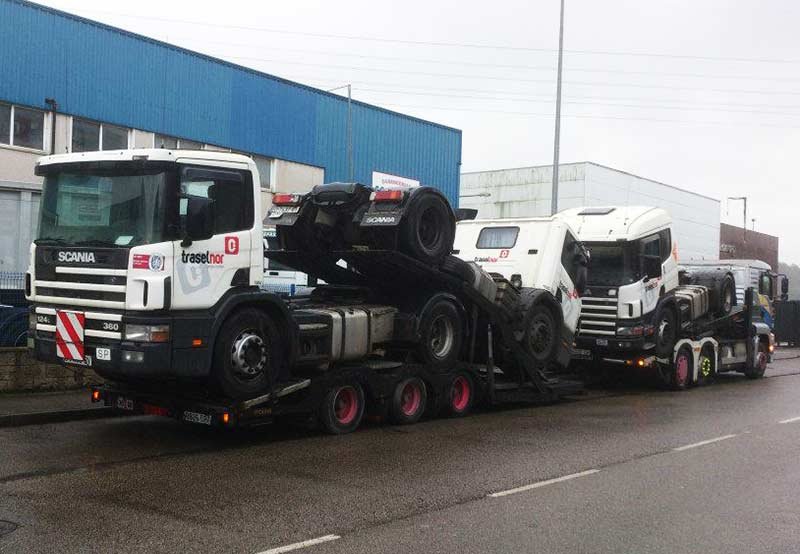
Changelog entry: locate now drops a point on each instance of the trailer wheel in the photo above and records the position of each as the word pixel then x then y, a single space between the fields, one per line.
pixel 342 409
pixel 460 396
pixel 427 231
pixel 408 401
pixel 540 338
pixel 762 358
pixel 681 369
pixel 441 335
pixel 247 354
pixel 707 369
pixel 666 333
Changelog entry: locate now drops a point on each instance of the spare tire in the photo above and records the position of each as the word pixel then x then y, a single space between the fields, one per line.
pixel 726 296
pixel 459 268
pixel 427 231
pixel 540 333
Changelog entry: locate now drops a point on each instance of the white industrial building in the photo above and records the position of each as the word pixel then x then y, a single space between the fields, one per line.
pixel 527 192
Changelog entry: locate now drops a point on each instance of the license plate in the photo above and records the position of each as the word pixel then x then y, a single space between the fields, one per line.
pixel 582 354
pixel 602 342
pixel 277 211
pixel 103 354
pixel 194 417
pixel 124 404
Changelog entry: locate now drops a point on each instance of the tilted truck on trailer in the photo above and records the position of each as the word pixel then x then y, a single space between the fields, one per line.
pixel 147 269
pixel 641 310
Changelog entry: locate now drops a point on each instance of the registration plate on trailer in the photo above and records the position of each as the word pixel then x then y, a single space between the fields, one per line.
pixel 581 354
pixel 602 342
pixel 195 417
pixel 277 211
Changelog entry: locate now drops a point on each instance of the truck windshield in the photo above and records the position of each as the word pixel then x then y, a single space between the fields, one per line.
pixel 112 204
pixel 612 264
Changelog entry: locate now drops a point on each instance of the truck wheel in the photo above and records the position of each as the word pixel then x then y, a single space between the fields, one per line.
pixel 460 396
pixel 666 333
pixel 342 409
pixel 707 369
pixel 408 401
pixel 247 355
pixel 540 338
pixel 762 357
pixel 679 373
pixel 441 335
pixel 427 231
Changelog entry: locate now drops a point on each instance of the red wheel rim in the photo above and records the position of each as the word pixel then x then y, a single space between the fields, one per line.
pixel 410 399
pixel 682 369
pixel 461 393
pixel 345 405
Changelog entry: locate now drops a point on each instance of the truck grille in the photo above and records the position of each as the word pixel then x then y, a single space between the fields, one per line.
pixel 89 287
pixel 598 317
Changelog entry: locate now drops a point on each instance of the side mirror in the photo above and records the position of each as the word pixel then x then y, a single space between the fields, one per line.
pixel 466 214
pixel 199 219
pixel 785 286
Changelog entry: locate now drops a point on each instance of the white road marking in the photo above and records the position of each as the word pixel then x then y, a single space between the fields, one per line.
pixel 299 545
pixel 543 483
pixel 703 443
pixel 790 420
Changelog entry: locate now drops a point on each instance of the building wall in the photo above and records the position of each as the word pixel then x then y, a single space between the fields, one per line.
pixel 106 74
pixel 526 192
pixel 738 243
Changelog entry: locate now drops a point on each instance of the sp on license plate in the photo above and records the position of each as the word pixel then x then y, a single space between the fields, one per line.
pixel 195 417
pixel 602 342
pixel 277 211
pixel 581 354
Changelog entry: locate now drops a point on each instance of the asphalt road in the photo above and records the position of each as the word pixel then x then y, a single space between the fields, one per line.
pixel 622 470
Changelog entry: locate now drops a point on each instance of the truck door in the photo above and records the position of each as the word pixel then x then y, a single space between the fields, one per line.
pixel 205 269
pixel 572 264
pixel 652 270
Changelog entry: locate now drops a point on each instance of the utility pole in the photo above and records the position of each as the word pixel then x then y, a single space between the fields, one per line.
pixel 554 203
pixel 349 88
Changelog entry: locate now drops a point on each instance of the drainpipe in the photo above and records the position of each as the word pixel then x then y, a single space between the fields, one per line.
pixel 53 110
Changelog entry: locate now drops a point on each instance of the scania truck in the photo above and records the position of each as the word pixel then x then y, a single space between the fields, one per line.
pixel 640 309
pixel 147 269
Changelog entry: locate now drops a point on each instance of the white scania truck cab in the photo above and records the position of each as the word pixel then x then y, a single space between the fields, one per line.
pixel 543 260
pixel 632 273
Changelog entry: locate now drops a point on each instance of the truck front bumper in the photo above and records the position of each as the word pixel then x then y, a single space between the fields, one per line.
pixel 612 349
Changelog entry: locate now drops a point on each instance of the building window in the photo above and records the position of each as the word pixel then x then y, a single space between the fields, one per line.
pixel 113 138
pixel 264 166
pixel 5 124
pixel 172 143
pixel 85 136
pixel 89 136
pixel 21 127
pixel 189 145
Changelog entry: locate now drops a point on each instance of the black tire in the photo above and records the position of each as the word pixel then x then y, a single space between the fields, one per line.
pixel 460 396
pixel 540 333
pixel 762 358
pixel 248 356
pixel 441 333
pixel 707 370
pixel 666 333
pixel 727 296
pixel 408 401
pixel 427 231
pixel 459 268
pixel 342 409
pixel 677 375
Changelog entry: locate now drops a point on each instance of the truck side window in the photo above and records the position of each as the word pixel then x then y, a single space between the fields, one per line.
pixel 497 237
pixel 765 285
pixel 231 192
pixel 570 257
pixel 651 256
pixel 665 237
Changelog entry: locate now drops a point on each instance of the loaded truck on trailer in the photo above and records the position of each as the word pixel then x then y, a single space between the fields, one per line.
pixel 147 269
pixel 640 309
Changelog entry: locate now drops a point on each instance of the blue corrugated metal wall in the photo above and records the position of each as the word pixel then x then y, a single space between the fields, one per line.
pixel 102 73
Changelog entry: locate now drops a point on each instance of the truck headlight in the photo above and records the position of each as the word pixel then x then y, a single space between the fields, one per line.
pixel 637 331
pixel 146 333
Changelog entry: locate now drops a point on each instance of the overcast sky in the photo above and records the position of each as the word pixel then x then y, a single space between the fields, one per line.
pixel 700 94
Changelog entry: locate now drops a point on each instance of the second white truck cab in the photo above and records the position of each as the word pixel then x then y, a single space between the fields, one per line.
pixel 541 257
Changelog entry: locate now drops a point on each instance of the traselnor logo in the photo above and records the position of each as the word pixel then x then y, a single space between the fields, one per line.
pixel 203 258
pixel 76 257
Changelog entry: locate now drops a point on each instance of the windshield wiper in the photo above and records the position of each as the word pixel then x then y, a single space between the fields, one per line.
pixel 51 240
pixel 95 242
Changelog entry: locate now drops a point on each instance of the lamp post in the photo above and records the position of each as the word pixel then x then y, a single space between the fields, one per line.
pixel 554 203
pixel 349 88
pixel 744 227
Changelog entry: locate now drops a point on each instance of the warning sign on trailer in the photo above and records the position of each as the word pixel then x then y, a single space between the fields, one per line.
pixel 386 181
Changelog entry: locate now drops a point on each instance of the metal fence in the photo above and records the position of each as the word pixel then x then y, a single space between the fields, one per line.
pixel 13 310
